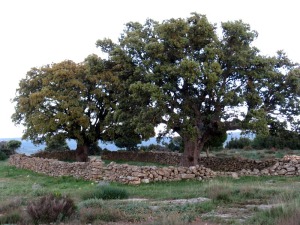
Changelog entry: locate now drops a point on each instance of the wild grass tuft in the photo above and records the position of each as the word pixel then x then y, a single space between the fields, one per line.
pixel 284 214
pixel 220 192
pixel 91 203
pixel 107 214
pixel 106 192
pixel 13 217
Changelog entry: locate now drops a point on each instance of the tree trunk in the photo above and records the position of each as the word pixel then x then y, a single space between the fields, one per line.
pixel 191 153
pixel 82 153
pixel 207 152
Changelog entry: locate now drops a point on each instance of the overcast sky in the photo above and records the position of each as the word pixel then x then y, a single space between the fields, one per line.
pixel 39 32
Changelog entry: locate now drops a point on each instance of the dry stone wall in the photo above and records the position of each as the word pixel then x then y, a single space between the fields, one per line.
pixel 96 170
pixel 171 158
pixel 289 165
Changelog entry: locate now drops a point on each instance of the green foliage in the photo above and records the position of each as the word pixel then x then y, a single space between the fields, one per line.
pixel 176 144
pixel 240 143
pixel 51 208
pixel 14 144
pixel 56 143
pixel 75 100
pixel 9 148
pixel 3 156
pixel 154 147
pixel 215 143
pixel 281 139
pixel 286 139
pixel 179 72
pixel 128 142
pixel 182 73
pixel 106 192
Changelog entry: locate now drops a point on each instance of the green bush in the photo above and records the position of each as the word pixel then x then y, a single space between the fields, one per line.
pixel 10 147
pixel 240 143
pixel 3 156
pixel 56 143
pixel 51 208
pixel 287 140
pixel 106 192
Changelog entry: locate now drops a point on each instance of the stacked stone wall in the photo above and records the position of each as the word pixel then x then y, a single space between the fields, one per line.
pixel 289 165
pixel 96 170
pixel 170 158
pixel 59 155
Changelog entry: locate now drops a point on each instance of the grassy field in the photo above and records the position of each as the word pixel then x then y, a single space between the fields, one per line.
pixel 248 200
pixel 257 154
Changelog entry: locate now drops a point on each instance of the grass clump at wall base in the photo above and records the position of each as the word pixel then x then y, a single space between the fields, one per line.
pixel 50 208
pixel 106 192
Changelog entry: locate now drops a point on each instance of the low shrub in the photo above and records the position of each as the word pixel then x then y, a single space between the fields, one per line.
pixel 9 205
pixel 11 218
pixel 106 192
pixel 51 208
pixel 240 143
pixel 219 192
pixel 95 215
pixel 3 156
pixel 91 203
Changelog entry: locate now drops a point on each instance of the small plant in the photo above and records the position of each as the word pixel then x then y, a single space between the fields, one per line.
pixel 219 192
pixel 3 156
pixel 51 208
pixel 106 192
pixel 291 219
pixel 7 206
pixel 11 218
pixel 93 203
pixel 107 214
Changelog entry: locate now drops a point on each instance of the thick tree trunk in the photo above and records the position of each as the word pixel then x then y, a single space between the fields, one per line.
pixel 82 153
pixel 191 153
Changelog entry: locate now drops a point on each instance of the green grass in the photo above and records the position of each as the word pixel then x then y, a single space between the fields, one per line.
pixel 19 187
pixel 255 154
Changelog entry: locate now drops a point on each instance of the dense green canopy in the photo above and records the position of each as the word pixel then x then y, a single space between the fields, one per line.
pixel 67 100
pixel 182 73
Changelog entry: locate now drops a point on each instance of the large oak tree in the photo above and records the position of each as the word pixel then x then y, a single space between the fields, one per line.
pixel 68 100
pixel 197 81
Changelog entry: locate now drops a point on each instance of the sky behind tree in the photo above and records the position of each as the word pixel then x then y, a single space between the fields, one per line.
pixel 35 33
